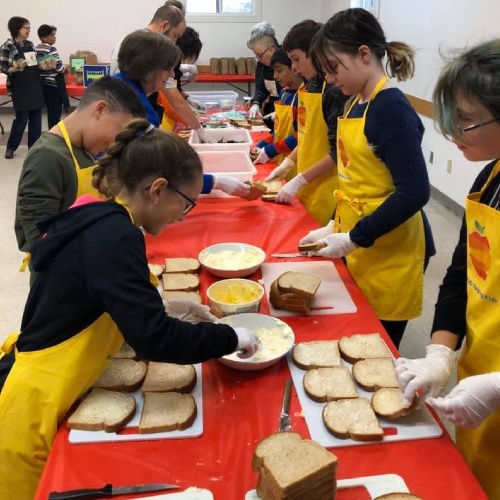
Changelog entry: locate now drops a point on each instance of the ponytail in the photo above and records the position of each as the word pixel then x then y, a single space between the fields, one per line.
pixel 400 61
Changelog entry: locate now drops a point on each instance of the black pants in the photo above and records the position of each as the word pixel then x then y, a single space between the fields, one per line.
pixel 32 118
pixel 54 105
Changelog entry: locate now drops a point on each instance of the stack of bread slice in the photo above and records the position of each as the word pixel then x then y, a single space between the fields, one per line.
pixel 293 468
pixel 180 280
pixel 294 291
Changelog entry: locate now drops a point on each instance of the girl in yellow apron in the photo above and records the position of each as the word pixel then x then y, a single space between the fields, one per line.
pixel 93 283
pixel 382 176
pixel 467 101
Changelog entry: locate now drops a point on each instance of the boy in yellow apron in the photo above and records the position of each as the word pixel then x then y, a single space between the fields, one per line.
pixel 382 175
pixel 319 106
pixel 87 292
pixel 280 143
pixel 466 100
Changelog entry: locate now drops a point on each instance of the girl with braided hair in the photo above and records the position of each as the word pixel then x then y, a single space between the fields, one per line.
pixel 93 291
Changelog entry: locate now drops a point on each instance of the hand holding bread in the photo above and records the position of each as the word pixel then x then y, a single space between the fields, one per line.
pixel 231 185
pixel 261 156
pixel 282 170
pixel 317 234
pixel 337 245
pixel 290 189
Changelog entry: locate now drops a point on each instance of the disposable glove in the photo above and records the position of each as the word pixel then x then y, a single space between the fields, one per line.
pixel 287 193
pixel 318 234
pixel 254 111
pixel 196 104
pixel 231 185
pixel 261 156
pixel 270 116
pixel 337 245
pixel 471 401
pixel 203 136
pixel 282 171
pixel 248 343
pixel 430 374
pixel 186 310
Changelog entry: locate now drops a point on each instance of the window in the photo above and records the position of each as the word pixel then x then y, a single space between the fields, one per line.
pixel 370 5
pixel 223 10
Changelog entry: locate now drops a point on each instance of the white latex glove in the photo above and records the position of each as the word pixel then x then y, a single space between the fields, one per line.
pixel 471 401
pixel 318 234
pixel 430 374
pixel 254 111
pixel 287 193
pixel 186 310
pixel 282 170
pixel 189 72
pixel 195 104
pixel 261 157
pixel 269 116
pixel 231 185
pixel 203 136
pixel 248 343
pixel 337 245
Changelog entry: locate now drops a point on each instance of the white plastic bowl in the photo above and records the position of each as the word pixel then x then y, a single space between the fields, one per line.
pixel 232 265
pixel 268 354
pixel 221 308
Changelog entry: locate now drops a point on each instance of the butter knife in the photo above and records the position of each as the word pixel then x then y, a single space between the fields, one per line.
pixel 109 491
pixel 285 420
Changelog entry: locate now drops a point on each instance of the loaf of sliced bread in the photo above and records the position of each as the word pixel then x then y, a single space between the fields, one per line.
pixel 181 265
pixel 363 346
pixel 181 282
pixel 156 269
pixel 316 354
pixel 288 301
pixel 352 418
pixel 294 468
pixel 329 384
pixel 398 496
pixel 192 296
pixel 388 403
pixel 123 375
pixel 125 352
pixel 374 373
pixel 167 411
pixel 303 284
pixel 169 377
pixel 103 410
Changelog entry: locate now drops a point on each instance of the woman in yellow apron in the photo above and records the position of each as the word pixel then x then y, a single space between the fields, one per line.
pixel 319 106
pixel 382 176
pixel 93 280
pixel 467 104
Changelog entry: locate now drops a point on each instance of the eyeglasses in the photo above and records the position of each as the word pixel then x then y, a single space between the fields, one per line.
pixel 191 203
pixel 259 56
pixel 478 125
pixel 26 27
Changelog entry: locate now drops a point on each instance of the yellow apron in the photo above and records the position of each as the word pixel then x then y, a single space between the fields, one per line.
pixel 481 352
pixel 312 143
pixel 390 273
pixel 169 118
pixel 283 127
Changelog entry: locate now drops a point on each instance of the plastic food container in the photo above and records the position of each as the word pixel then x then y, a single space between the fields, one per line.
pixel 216 100
pixel 234 296
pixel 234 163
pixel 222 139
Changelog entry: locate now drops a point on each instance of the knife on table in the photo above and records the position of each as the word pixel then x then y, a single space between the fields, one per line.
pixel 109 491
pixel 285 420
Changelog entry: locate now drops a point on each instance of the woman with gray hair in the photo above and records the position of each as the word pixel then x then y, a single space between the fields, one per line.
pixel 263 43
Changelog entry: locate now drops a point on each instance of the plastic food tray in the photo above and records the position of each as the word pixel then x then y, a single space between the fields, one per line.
pixel 242 138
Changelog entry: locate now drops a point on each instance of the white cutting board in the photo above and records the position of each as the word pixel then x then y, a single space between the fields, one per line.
pixel 375 485
pixel 332 295
pixel 188 494
pixel 196 430
pixel 419 424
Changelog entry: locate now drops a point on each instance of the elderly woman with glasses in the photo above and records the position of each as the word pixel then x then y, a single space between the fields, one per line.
pixel 263 43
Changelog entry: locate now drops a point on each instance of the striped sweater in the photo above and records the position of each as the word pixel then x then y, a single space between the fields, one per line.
pixel 49 62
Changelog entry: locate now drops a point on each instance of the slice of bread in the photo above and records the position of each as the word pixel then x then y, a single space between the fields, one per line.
pixel 273 186
pixel 271 197
pixel 316 354
pixel 168 411
pixel 388 403
pixel 398 496
pixel 192 296
pixel 256 190
pixel 156 269
pixel 303 284
pixel 181 282
pixel 169 377
pixel 275 296
pixel 374 373
pixel 123 375
pixel 312 247
pixel 329 384
pixel 294 468
pixel 363 346
pixel 103 410
pixel 125 352
pixel 181 265
pixel 352 418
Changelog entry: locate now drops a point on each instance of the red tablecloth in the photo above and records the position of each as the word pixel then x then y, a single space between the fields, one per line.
pixel 240 408
pixel 72 89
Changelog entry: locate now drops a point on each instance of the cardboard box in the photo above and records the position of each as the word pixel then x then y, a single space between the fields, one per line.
pixel 93 72
pixel 79 58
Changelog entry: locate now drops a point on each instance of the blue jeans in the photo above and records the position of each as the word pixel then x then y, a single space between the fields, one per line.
pixel 34 117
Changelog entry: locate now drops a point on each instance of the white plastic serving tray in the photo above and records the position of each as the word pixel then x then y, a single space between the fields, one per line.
pixel 214 135
pixel 196 430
